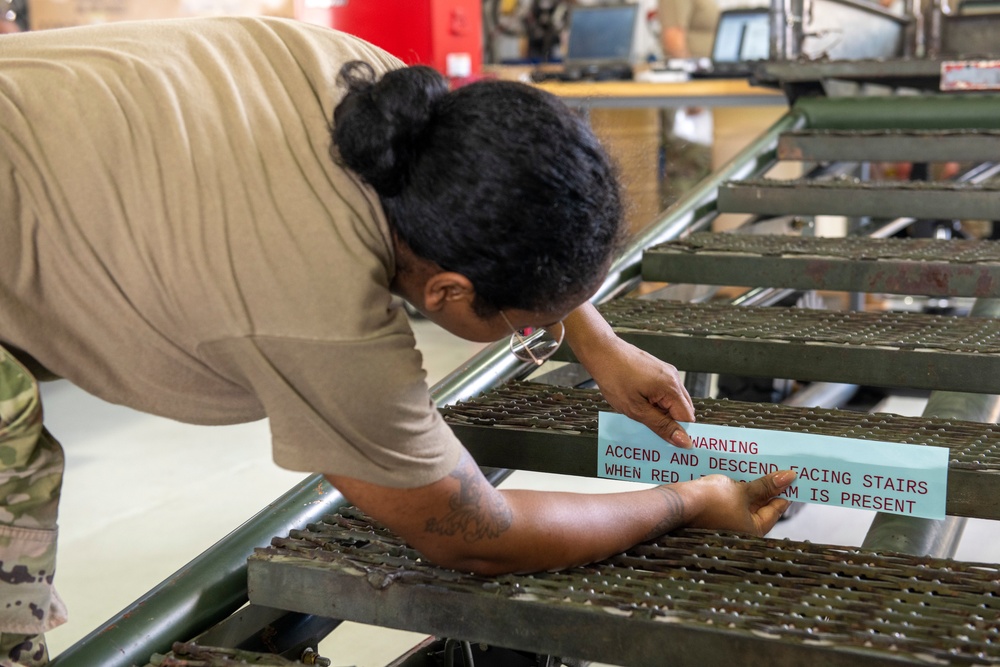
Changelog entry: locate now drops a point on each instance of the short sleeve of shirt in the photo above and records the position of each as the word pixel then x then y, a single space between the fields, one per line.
pixel 355 408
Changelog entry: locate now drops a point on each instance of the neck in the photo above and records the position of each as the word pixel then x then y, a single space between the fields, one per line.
pixel 412 273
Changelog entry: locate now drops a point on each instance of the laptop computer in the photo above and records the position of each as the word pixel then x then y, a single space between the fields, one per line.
pixel 742 37
pixel 600 44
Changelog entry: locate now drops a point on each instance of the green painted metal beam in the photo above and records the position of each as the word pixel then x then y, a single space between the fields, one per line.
pixel 890 145
pixel 928 112
pixel 878 199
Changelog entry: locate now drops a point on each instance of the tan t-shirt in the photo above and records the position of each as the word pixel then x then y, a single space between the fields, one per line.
pixel 174 237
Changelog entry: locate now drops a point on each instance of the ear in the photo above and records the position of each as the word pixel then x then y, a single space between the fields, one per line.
pixel 447 288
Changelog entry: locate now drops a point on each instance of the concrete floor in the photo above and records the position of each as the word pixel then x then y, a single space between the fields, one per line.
pixel 144 495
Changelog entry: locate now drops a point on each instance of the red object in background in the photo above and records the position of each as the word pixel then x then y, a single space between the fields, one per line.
pixel 445 34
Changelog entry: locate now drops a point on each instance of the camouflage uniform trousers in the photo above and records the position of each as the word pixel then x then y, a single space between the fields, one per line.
pixel 31 468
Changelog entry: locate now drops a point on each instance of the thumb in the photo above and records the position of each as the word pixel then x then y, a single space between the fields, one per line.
pixel 764 488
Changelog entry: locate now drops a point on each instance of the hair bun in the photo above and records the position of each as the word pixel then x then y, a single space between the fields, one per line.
pixel 378 126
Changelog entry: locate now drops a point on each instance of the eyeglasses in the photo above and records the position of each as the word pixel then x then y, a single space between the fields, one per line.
pixel 535 345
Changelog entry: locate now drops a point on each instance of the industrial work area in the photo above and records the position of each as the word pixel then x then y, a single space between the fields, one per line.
pixel 426 333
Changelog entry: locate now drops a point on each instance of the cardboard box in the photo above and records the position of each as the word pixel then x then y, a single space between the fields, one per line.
pixel 47 14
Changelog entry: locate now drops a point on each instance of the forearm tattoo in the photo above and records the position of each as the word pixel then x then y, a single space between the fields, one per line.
pixel 477 513
pixel 673 515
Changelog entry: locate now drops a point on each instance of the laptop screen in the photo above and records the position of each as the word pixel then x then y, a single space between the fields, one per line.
pixel 742 36
pixel 602 33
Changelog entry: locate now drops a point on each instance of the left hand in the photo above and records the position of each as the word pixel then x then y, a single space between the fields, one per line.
pixel 634 382
pixel 645 389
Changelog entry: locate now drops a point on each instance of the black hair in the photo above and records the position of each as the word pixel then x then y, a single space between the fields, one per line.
pixel 495 180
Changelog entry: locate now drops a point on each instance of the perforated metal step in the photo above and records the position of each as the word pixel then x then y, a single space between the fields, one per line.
pixel 879 199
pixel 927 267
pixel 884 349
pixel 890 145
pixel 555 430
pixel 694 598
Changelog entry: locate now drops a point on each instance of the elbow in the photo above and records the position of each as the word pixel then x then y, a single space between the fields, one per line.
pixel 471 561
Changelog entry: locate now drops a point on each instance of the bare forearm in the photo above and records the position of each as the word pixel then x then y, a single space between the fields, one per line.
pixel 464 523
pixel 556 530
pixel 590 335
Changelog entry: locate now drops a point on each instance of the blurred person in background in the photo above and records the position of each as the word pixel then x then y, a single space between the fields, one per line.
pixel 687 27
pixel 687 30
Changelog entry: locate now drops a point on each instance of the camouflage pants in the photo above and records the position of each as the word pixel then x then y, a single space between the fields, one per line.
pixel 31 467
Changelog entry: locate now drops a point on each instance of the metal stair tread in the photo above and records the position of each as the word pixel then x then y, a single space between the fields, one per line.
pixel 894 349
pixel 926 267
pixel 714 594
pixel 885 199
pixel 907 145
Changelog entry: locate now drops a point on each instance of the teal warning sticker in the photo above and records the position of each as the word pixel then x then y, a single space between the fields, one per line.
pixel 863 474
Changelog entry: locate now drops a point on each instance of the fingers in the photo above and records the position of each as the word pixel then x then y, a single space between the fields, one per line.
pixel 763 492
pixel 680 438
pixel 674 398
pixel 673 405
pixel 768 515
pixel 663 425
pixel 681 407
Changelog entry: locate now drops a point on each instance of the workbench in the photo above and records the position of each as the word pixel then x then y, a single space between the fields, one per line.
pixel 709 93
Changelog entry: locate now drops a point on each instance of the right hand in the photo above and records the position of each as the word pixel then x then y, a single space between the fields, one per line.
pixel 747 507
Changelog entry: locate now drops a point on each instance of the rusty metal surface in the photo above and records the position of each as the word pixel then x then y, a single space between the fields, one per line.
pixel 530 426
pixel 194 655
pixel 880 199
pixel 927 267
pixel 692 598
pixel 890 145
pixel 886 349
